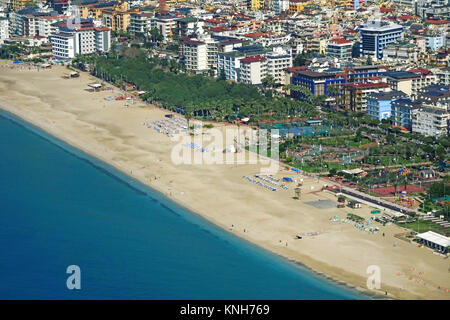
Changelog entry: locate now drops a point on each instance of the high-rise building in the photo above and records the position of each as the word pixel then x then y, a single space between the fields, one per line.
pixel 379 104
pixel 4 29
pixel 375 35
pixel 67 43
pixel 255 4
pixel 280 6
pixel 253 69
pixel 339 48
pixel 429 121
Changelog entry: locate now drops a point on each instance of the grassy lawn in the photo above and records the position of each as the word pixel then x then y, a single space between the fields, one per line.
pixel 315 166
pixel 267 153
pixel 388 160
pixel 424 226
pixel 337 142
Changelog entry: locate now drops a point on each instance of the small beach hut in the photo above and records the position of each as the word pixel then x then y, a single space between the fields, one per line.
pixel 354 204
pixel 297 193
pixel 95 86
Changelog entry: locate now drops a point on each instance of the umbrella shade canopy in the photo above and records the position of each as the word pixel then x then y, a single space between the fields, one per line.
pixel 287 179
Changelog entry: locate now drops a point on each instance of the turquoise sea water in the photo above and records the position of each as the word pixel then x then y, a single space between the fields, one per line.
pixel 61 207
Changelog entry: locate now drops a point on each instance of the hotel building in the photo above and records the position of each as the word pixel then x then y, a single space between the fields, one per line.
pixel 375 35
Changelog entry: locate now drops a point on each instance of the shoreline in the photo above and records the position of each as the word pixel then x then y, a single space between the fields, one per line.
pixel 27 125
pixel 323 269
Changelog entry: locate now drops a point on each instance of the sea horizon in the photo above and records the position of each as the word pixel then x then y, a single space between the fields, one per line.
pixel 274 277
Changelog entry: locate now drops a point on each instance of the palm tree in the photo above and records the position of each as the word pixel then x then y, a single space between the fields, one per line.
pixel 188 116
pixel 268 82
pixel 395 184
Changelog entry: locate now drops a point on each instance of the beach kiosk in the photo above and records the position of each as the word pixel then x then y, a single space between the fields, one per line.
pixel 95 86
pixel 354 204
pixel 435 241
pixel 297 193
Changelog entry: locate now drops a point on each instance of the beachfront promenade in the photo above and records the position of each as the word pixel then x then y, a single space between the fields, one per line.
pixel 372 201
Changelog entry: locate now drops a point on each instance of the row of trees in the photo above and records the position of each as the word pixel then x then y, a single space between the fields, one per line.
pixel 12 51
pixel 199 95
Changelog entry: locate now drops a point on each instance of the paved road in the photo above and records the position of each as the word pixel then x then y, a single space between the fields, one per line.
pixel 379 202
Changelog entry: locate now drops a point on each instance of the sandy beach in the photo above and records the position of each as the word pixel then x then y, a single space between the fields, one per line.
pixel 114 132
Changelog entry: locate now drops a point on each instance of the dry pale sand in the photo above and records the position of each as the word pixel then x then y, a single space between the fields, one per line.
pixel 116 134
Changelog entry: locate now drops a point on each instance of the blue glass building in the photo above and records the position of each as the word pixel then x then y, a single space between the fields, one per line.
pixel 375 35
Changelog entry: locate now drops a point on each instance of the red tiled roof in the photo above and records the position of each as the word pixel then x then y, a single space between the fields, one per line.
pixel 217 29
pixel 422 71
pixel 193 42
pixel 405 17
pixel 340 41
pixel 401 128
pixel 385 10
pixel 255 35
pixel 253 59
pixel 437 21
pixel 215 21
pixel 102 29
pixel 296 69
pixel 221 28
pixel 53 17
pixel 368 85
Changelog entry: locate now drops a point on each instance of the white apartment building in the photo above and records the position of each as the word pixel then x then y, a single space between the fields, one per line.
pixel 407 52
pixel 205 47
pixel 277 61
pixel 253 69
pixel 68 43
pixel 63 45
pixel 195 55
pixel 410 82
pixel 31 25
pixel 407 3
pixel 430 121
pixel 216 46
pixel 230 64
pixel 4 24
pixel 4 29
pixel 339 48
pixel 85 41
pixel 102 39
pixel 443 76
pixel 45 25
pixel 140 22
pixel 189 25
pixel 280 6
pixel 274 40
pixel 166 26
